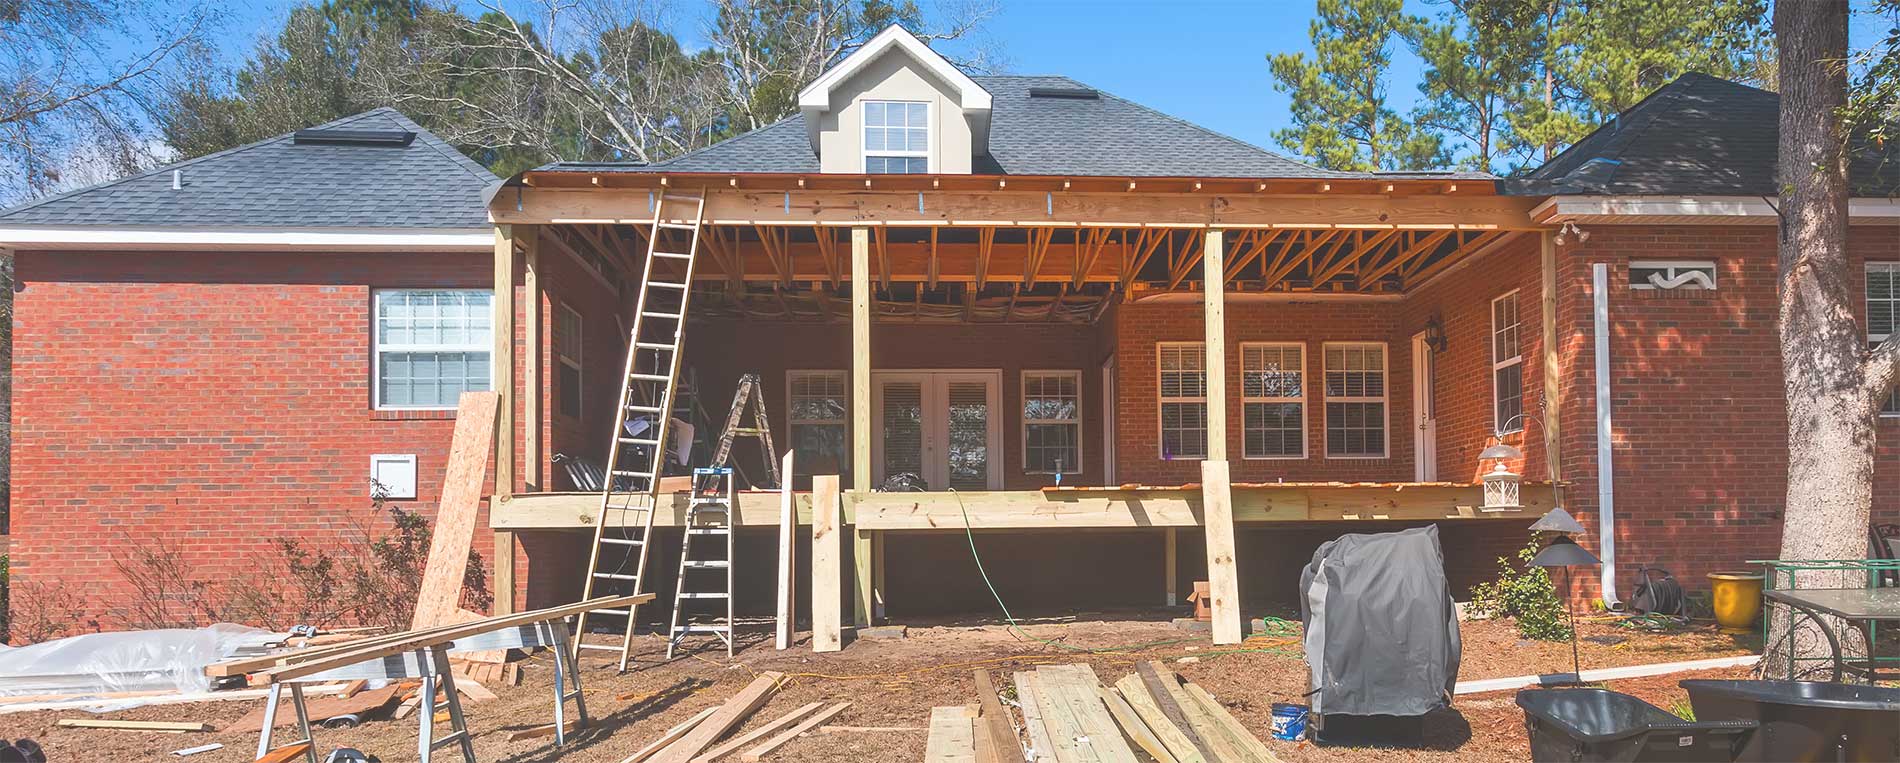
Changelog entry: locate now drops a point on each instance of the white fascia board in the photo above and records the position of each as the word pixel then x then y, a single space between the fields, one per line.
pixel 252 239
pixel 816 97
pixel 1562 208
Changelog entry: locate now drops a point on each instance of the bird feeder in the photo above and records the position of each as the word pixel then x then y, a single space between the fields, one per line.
pixel 1501 485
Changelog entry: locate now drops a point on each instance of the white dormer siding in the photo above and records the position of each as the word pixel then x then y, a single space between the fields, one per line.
pixel 904 77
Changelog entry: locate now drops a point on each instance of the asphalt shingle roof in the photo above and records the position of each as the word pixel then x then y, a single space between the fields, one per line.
pixel 1698 135
pixel 276 183
pixel 1060 136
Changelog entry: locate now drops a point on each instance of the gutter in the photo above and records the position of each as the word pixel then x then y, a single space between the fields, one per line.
pixel 1606 466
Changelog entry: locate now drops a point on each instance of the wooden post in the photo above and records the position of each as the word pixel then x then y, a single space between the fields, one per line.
pixel 1171 560
pixel 1223 579
pixel 504 580
pixel 787 552
pixel 1213 292
pixel 532 394
pixel 862 604
pixel 827 565
pixel 502 375
pixel 1552 407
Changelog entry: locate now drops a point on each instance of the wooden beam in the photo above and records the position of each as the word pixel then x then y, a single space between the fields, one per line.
pixel 440 593
pixel 765 748
pixel 727 718
pixel 672 735
pixel 883 256
pixel 1419 248
pixel 1162 689
pixel 1257 247
pixel 1192 255
pixel 1483 244
pixel 860 360
pixel 1145 248
pixel 1223 577
pixel 502 376
pixel 174 727
pixel 531 466
pixel 1371 246
pixel 828 255
pixel 827 565
pixel 996 717
pixel 1306 254
pixel 1171 565
pixel 986 247
pixel 1039 241
pixel 754 735
pixel 952 738
pixel 1551 407
pixel 1214 310
pixel 787 553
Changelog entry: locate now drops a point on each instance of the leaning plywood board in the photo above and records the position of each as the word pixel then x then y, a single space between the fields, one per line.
pixel 1080 725
pixel 827 566
pixel 454 532
pixel 1179 745
pixel 1001 732
pixel 672 735
pixel 757 734
pixel 759 752
pixel 952 736
pixel 1042 748
pixel 728 717
pixel 1255 750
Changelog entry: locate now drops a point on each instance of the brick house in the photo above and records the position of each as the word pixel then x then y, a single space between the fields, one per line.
pixel 998 284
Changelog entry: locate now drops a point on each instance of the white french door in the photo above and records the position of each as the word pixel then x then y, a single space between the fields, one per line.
pixel 944 426
pixel 1424 417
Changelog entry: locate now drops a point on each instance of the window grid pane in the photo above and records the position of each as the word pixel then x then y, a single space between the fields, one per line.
pixel 1272 382
pixel 896 137
pixel 1507 366
pixel 1182 368
pixel 817 416
pixel 1883 314
pixel 431 345
pixel 1052 422
pixel 1355 400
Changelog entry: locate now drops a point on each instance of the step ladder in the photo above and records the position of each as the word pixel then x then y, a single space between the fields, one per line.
pixel 636 457
pixel 749 396
pixel 707 577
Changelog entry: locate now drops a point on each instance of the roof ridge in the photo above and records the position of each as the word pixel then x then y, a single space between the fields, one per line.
pixel 1208 131
pixel 733 139
pixel 437 144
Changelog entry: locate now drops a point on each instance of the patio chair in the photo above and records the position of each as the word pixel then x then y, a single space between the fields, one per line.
pixel 1884 543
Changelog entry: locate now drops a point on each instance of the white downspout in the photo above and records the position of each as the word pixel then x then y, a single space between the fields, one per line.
pixel 1606 472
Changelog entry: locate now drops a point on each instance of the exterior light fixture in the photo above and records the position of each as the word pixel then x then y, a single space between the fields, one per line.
pixel 1435 334
pixel 1564 552
pixel 1501 485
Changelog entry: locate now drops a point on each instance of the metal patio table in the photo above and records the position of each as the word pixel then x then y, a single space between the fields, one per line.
pixel 1858 608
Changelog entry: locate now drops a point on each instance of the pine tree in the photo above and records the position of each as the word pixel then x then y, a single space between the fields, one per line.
pixel 1340 115
pixel 1476 58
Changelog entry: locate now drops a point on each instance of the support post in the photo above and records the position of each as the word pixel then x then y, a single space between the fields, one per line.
pixel 1172 561
pixel 503 373
pixel 863 605
pixel 504 577
pixel 787 552
pixel 827 565
pixel 1223 579
pixel 1553 369
pixel 1214 309
pixel 532 354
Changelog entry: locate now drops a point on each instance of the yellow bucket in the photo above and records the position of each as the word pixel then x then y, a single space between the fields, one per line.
pixel 1736 599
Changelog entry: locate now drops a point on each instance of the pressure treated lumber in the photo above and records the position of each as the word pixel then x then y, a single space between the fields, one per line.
pixel 1134 727
pixel 758 733
pixel 952 736
pixel 787 554
pixel 1135 693
pixel 728 717
pixel 441 590
pixel 1076 716
pixel 503 362
pixel 792 733
pixel 1223 576
pixel 827 566
pixel 543 730
pixel 170 727
pixel 1254 750
pixel 1214 314
pixel 672 735
pixel 1041 747
pixel 1162 689
pixel 1009 749
pixel 286 753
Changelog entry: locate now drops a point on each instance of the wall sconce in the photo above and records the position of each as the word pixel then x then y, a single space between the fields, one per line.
pixel 1501 484
pixel 1435 334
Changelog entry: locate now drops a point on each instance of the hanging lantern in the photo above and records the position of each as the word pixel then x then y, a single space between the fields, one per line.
pixel 1501 484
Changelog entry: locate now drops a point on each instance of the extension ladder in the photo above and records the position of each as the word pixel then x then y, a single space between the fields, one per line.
pixel 636 460
pixel 709 515
pixel 750 395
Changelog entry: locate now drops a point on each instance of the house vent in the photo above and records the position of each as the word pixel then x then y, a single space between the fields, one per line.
pixel 1068 93
pixel 320 137
pixel 1698 275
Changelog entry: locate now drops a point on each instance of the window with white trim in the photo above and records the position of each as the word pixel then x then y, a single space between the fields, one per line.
pixel 430 345
pixel 896 137
pixel 568 348
pixel 1273 400
pixel 1355 400
pixel 817 415
pixel 1507 366
pixel 1183 382
pixel 1883 314
pixel 1052 422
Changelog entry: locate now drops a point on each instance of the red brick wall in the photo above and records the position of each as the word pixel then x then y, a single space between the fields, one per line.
pixel 1700 428
pixel 209 402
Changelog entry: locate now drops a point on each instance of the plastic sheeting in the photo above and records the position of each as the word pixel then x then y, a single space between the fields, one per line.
pixel 1381 632
pixel 128 661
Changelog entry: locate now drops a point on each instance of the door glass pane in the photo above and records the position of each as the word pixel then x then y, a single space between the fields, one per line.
pixel 969 435
pixel 903 429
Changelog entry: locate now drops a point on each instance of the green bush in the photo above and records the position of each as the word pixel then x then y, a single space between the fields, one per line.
pixel 1524 593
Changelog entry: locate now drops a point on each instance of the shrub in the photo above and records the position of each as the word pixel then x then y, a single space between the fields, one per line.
pixel 1525 594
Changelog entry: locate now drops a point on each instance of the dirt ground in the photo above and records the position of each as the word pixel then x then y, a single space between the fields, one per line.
pixel 894 683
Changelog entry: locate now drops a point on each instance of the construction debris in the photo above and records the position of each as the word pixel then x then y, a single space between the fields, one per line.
pixel 672 735
pixel 168 727
pixel 200 748
pixel 794 732
pixel 1069 716
pixel 727 718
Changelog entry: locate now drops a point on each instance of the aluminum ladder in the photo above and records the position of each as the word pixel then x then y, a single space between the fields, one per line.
pixel 636 456
pixel 709 515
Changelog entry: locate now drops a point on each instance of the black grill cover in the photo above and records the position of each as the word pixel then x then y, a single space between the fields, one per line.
pixel 1381 632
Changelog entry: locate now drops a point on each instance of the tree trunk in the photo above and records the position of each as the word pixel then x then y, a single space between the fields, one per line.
pixel 1831 399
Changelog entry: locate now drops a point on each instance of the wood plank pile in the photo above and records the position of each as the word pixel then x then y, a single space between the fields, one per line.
pixel 1069 716
pixel 697 740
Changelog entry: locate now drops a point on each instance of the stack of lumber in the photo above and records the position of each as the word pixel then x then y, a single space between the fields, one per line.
pixel 1069 716
pixel 698 739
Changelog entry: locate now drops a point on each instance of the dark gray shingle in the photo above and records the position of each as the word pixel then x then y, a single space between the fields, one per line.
pixel 275 183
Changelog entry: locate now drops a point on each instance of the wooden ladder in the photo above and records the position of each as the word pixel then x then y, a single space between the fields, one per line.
pixel 636 456
pixel 749 396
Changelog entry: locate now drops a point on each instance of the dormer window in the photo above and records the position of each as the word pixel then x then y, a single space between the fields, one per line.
pixel 896 137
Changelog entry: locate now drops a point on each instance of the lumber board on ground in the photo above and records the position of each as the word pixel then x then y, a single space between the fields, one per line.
pixel 1179 745
pixel 1002 732
pixel 1042 748
pixel 865 729
pixel 792 733
pixel 758 733
pixel 441 591
pixel 169 727
pixel 1135 728
pixel 432 637
pixel 827 566
pixel 1254 750
pixel 286 753
pixel 536 732
pixel 672 735
pixel 952 736
pixel 787 554
pixel 319 709
pixel 1068 694
pixel 1166 693
pixel 726 718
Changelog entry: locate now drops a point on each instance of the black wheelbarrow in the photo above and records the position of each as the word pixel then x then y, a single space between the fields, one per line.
pixel 1806 720
pixel 1602 726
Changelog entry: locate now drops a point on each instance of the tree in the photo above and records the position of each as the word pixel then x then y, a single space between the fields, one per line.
pixel 1834 383
pixel 1340 116
pixel 1476 60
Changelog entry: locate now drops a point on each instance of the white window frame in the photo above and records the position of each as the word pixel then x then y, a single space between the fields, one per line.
pixel 792 424
pixel 930 136
pixel 1887 410
pixel 1022 410
pixel 377 348
pixel 1384 400
pixel 1498 364
pixel 1674 266
pixel 1162 400
pixel 570 350
pixel 1300 347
